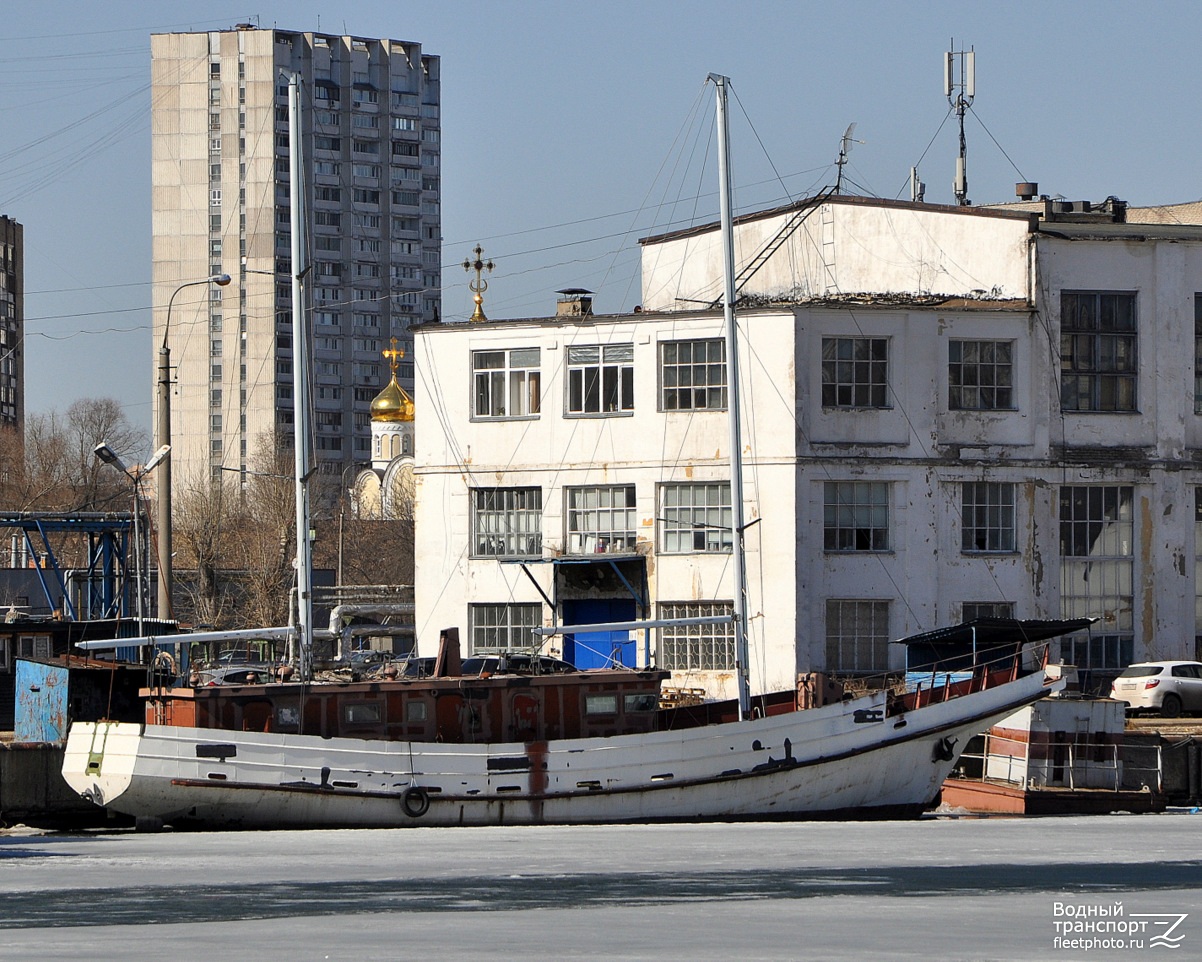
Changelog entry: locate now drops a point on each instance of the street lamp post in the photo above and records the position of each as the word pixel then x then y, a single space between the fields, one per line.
pixel 162 438
pixel 135 474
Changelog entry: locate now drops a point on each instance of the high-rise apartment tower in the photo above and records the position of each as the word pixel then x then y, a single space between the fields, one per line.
pixel 12 325
pixel 370 132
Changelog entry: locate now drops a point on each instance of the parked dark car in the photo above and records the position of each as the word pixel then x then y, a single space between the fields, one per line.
pixel 515 663
pixel 237 675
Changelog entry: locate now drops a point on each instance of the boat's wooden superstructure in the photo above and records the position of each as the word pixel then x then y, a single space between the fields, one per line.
pixel 456 710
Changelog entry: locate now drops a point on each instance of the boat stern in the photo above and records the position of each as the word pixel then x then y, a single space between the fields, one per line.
pixel 99 759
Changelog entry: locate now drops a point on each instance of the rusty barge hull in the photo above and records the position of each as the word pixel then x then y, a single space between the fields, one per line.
pixel 851 759
pixel 1002 798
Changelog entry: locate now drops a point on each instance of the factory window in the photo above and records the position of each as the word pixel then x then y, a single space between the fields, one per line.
pixel 857 636
pixel 1097 531
pixel 600 379
pixel 1198 574
pixel 972 610
pixel 695 517
pixel 856 516
pixel 502 627
pixel 986 516
pixel 693 375
pixel 696 647
pixel 601 519
pixel 1097 351
pixel 506 383
pixel 855 372
pixel 507 522
pixel 1198 353
pixel 980 375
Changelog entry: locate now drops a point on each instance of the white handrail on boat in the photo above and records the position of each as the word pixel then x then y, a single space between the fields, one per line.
pixel 553 630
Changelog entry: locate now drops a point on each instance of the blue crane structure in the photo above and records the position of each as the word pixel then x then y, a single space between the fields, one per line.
pixel 110 584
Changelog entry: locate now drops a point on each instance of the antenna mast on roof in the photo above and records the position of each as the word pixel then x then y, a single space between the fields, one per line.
pixel 844 150
pixel 964 89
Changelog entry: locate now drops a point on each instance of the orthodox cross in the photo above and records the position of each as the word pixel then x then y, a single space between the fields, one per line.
pixel 479 285
pixel 393 354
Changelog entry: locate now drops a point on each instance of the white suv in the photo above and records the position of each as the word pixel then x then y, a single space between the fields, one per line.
pixel 1169 687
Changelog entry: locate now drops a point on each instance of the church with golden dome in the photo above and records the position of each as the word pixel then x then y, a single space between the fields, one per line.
pixel 385 490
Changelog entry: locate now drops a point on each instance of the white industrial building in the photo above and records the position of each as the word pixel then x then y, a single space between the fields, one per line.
pixel 948 412
pixel 370 129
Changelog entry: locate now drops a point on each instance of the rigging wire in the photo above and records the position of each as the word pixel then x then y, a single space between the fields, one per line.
pixel 977 115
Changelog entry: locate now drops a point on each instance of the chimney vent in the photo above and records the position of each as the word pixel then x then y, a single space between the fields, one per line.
pixel 1026 190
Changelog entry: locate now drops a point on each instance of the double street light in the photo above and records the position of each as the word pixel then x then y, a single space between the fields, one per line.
pixel 163 438
pixel 135 475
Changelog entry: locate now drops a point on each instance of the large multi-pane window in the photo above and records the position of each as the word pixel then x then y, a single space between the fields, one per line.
pixel 503 627
pixel 1097 351
pixel 697 647
pixel 1096 571
pixel 980 375
pixel 600 378
pixel 986 516
pixel 857 636
pixel 695 517
pixel 972 610
pixel 855 372
pixel 601 519
pixel 1198 573
pixel 1198 353
pixel 692 375
pixel 856 516
pixel 506 383
pixel 507 522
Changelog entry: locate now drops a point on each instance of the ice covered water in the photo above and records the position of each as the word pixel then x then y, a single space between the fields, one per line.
pixel 935 888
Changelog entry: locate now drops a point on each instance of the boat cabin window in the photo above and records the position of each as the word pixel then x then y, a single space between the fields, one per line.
pixel 361 714
pixel 287 718
pixel 415 711
pixel 645 701
pixel 601 704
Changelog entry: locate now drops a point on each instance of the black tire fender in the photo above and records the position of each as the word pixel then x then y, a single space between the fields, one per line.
pixel 415 801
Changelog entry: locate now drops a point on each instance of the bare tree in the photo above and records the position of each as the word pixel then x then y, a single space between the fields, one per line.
pixel 268 542
pixel 59 471
pixel 52 468
pixel 205 527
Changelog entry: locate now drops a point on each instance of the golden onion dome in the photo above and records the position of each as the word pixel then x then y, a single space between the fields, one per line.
pixel 392 404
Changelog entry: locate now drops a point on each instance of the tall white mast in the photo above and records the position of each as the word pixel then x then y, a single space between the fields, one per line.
pixel 300 392
pixel 725 197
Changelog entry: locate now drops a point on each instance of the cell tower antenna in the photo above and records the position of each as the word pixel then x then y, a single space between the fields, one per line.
pixel 960 86
pixel 844 150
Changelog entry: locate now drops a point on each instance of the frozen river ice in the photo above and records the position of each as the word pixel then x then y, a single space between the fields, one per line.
pixel 930 889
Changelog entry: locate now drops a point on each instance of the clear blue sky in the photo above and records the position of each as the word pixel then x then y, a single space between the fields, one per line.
pixel 559 119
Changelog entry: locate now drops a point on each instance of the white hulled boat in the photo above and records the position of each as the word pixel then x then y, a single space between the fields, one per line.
pixel 530 748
